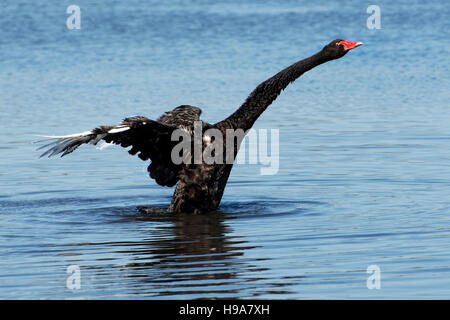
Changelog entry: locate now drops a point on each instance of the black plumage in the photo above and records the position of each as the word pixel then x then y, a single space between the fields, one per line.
pixel 199 186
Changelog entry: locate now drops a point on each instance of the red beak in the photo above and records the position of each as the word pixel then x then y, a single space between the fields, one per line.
pixel 348 45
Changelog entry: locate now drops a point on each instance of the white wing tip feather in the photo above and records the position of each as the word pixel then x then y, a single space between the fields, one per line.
pixel 119 129
pixel 73 135
pixel 86 133
pixel 66 144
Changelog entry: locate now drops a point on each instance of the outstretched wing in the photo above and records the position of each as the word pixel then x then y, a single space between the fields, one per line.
pixel 149 139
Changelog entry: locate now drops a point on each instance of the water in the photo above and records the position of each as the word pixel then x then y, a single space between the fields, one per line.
pixel 364 172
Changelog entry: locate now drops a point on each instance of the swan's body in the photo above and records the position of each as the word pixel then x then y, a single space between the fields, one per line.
pixel 199 186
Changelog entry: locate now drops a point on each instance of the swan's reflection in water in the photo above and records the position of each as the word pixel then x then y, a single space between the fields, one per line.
pixel 191 256
pixel 164 256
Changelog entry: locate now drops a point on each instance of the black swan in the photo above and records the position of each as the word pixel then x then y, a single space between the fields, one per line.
pixel 200 185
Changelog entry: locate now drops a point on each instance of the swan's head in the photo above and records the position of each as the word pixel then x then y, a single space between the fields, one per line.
pixel 339 48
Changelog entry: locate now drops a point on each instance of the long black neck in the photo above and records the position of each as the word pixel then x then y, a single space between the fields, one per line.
pixel 268 91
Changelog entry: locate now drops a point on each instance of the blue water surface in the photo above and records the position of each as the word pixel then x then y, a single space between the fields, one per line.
pixel 364 171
